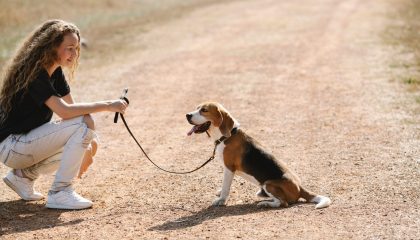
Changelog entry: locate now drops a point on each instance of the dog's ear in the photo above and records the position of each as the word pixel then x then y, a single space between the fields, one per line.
pixel 227 124
pixel 218 118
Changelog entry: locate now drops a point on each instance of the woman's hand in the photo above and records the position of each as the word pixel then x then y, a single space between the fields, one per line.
pixel 118 105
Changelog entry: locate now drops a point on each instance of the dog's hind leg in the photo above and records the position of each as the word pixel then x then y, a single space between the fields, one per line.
pixel 275 201
pixel 285 190
pixel 262 194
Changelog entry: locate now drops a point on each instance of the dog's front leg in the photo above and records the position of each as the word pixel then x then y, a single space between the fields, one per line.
pixel 224 193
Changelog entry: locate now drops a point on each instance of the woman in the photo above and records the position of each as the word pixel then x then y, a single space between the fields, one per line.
pixel 33 88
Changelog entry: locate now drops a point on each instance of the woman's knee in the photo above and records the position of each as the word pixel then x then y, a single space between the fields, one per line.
pixel 90 123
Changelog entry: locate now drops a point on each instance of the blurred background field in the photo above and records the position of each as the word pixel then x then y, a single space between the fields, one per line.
pixel 112 28
pixel 108 26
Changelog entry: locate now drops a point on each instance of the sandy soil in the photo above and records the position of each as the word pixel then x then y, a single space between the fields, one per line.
pixel 309 79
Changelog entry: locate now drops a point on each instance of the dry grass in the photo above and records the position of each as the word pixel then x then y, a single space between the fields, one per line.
pixel 405 35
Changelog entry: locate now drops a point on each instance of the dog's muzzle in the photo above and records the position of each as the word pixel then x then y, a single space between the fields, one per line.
pixel 200 128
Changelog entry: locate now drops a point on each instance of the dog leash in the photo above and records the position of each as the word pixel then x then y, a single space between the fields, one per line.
pixel 217 142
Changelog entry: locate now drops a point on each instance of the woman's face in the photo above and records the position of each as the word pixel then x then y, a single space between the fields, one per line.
pixel 68 50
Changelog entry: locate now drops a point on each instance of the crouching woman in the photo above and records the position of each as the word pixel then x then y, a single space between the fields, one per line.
pixel 33 88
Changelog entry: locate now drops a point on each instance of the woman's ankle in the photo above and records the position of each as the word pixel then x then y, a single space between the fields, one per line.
pixel 20 173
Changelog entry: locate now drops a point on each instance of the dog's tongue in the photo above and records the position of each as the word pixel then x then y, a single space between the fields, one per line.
pixel 192 130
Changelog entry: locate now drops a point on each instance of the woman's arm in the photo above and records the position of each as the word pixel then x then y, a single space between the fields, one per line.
pixel 88 117
pixel 68 99
pixel 67 110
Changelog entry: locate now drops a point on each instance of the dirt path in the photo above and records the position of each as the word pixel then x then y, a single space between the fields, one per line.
pixel 309 80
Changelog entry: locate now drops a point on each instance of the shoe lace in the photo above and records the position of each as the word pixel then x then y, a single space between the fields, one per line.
pixel 70 192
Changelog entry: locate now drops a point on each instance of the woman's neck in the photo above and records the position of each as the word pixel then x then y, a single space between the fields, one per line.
pixel 51 69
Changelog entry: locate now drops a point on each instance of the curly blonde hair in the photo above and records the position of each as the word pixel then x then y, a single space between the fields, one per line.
pixel 37 52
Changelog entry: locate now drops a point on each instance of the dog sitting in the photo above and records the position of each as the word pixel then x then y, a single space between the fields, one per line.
pixel 243 156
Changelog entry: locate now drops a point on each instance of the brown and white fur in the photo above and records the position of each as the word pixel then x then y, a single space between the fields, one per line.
pixel 243 156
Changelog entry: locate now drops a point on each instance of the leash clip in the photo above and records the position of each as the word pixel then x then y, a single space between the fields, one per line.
pixel 123 96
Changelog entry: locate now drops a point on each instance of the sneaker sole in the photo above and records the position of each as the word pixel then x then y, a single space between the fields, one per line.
pixel 54 206
pixel 10 185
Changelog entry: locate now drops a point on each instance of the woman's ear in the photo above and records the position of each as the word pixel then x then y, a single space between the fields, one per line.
pixel 227 125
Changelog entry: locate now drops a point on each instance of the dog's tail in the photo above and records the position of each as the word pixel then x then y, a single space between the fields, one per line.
pixel 321 201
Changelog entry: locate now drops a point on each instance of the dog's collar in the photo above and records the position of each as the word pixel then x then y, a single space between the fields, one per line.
pixel 223 138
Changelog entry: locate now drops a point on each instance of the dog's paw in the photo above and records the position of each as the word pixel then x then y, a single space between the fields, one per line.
pixel 272 204
pixel 218 192
pixel 219 202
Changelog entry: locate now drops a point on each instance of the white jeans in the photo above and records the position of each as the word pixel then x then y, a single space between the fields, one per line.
pixel 54 145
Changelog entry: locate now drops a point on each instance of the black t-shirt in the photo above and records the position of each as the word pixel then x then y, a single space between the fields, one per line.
pixel 29 110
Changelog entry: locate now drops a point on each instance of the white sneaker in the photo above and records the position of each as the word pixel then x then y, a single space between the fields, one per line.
pixel 67 199
pixel 24 187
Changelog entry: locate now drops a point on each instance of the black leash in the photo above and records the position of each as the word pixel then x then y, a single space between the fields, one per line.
pixel 145 154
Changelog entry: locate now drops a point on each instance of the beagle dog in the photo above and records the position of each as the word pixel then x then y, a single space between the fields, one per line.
pixel 244 156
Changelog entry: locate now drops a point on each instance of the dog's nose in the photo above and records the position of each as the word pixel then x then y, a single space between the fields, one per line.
pixel 189 116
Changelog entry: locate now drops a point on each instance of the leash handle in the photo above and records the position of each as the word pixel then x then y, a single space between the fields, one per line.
pixel 123 96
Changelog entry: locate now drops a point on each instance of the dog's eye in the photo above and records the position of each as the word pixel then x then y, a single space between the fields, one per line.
pixel 204 110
